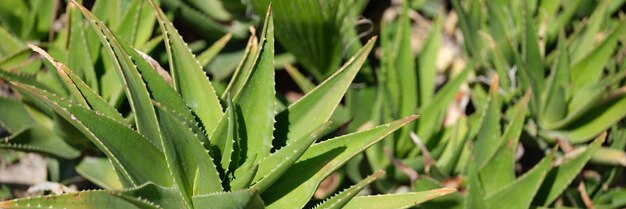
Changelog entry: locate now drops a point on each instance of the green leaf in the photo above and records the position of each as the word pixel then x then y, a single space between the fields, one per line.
pixel 589 69
pixel 207 56
pixel 80 90
pixel 561 176
pixel 190 164
pixel 341 199
pixel 302 81
pixel 100 171
pixel 486 143
pixel 403 65
pixel 499 169
pixel 310 30
pixel 225 141
pixel 244 68
pixel 135 88
pixel 189 79
pixel 475 192
pixel 272 167
pixel 105 134
pixel 316 107
pixel 519 194
pixel 245 199
pixel 79 58
pixel 427 63
pixel 37 138
pixel 585 43
pixel 298 184
pixel 10 43
pixel 431 115
pixel 256 99
pixel 14 116
pixel 392 201
pixel 80 200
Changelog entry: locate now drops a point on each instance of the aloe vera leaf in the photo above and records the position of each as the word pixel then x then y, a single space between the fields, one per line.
pixel 310 30
pixel 225 141
pixel 553 99
pixel 339 200
pixel 585 43
pixel 561 176
pixel 10 44
pixel 404 68
pixel 244 67
pixel 390 201
pixel 318 105
pixel 431 115
pixel 100 171
pixel 499 169
pixel 135 88
pixel 272 167
pixel 189 79
pixel 589 69
pixel 609 156
pixel 597 119
pixel 245 199
pixel 466 27
pixel 520 193
pixel 80 60
pixel 190 164
pixel 37 138
pixel 105 133
pixel 127 29
pixel 486 142
pixel 211 8
pixel 14 116
pixel 81 91
pixel 298 184
pixel 256 99
pixel 427 63
pixel 97 199
pixel 302 81
pixel 207 55
pixel 163 197
pixel 475 192
pixel 244 179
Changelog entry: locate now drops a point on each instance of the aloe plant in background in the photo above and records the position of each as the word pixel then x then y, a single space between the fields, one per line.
pixel 193 153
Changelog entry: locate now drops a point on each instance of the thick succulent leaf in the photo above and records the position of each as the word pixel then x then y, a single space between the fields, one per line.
pixel 80 200
pixel 585 44
pixel 164 197
pixel 135 88
pixel 105 134
pixel 80 59
pixel 534 71
pixel 256 99
pixel 394 201
pixel 189 79
pixel 486 143
pixel 338 201
pixel 310 30
pixel 14 116
pixel 37 138
pixel 500 168
pixel 298 184
pixel 207 56
pixel 403 65
pixel 244 68
pixel 225 140
pixel 599 118
pixel 301 80
pixel 212 8
pixel 317 106
pixel 127 29
pixel 245 199
pixel 561 176
pixel 100 171
pixel 243 177
pixel 431 115
pixel 475 192
pixel 272 167
pixel 553 99
pixel 519 194
pixel 11 43
pixel 427 63
pixel 81 90
pixel 190 165
pixel 590 69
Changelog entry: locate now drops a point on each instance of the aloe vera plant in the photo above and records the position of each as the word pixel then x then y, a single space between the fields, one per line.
pixel 182 150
